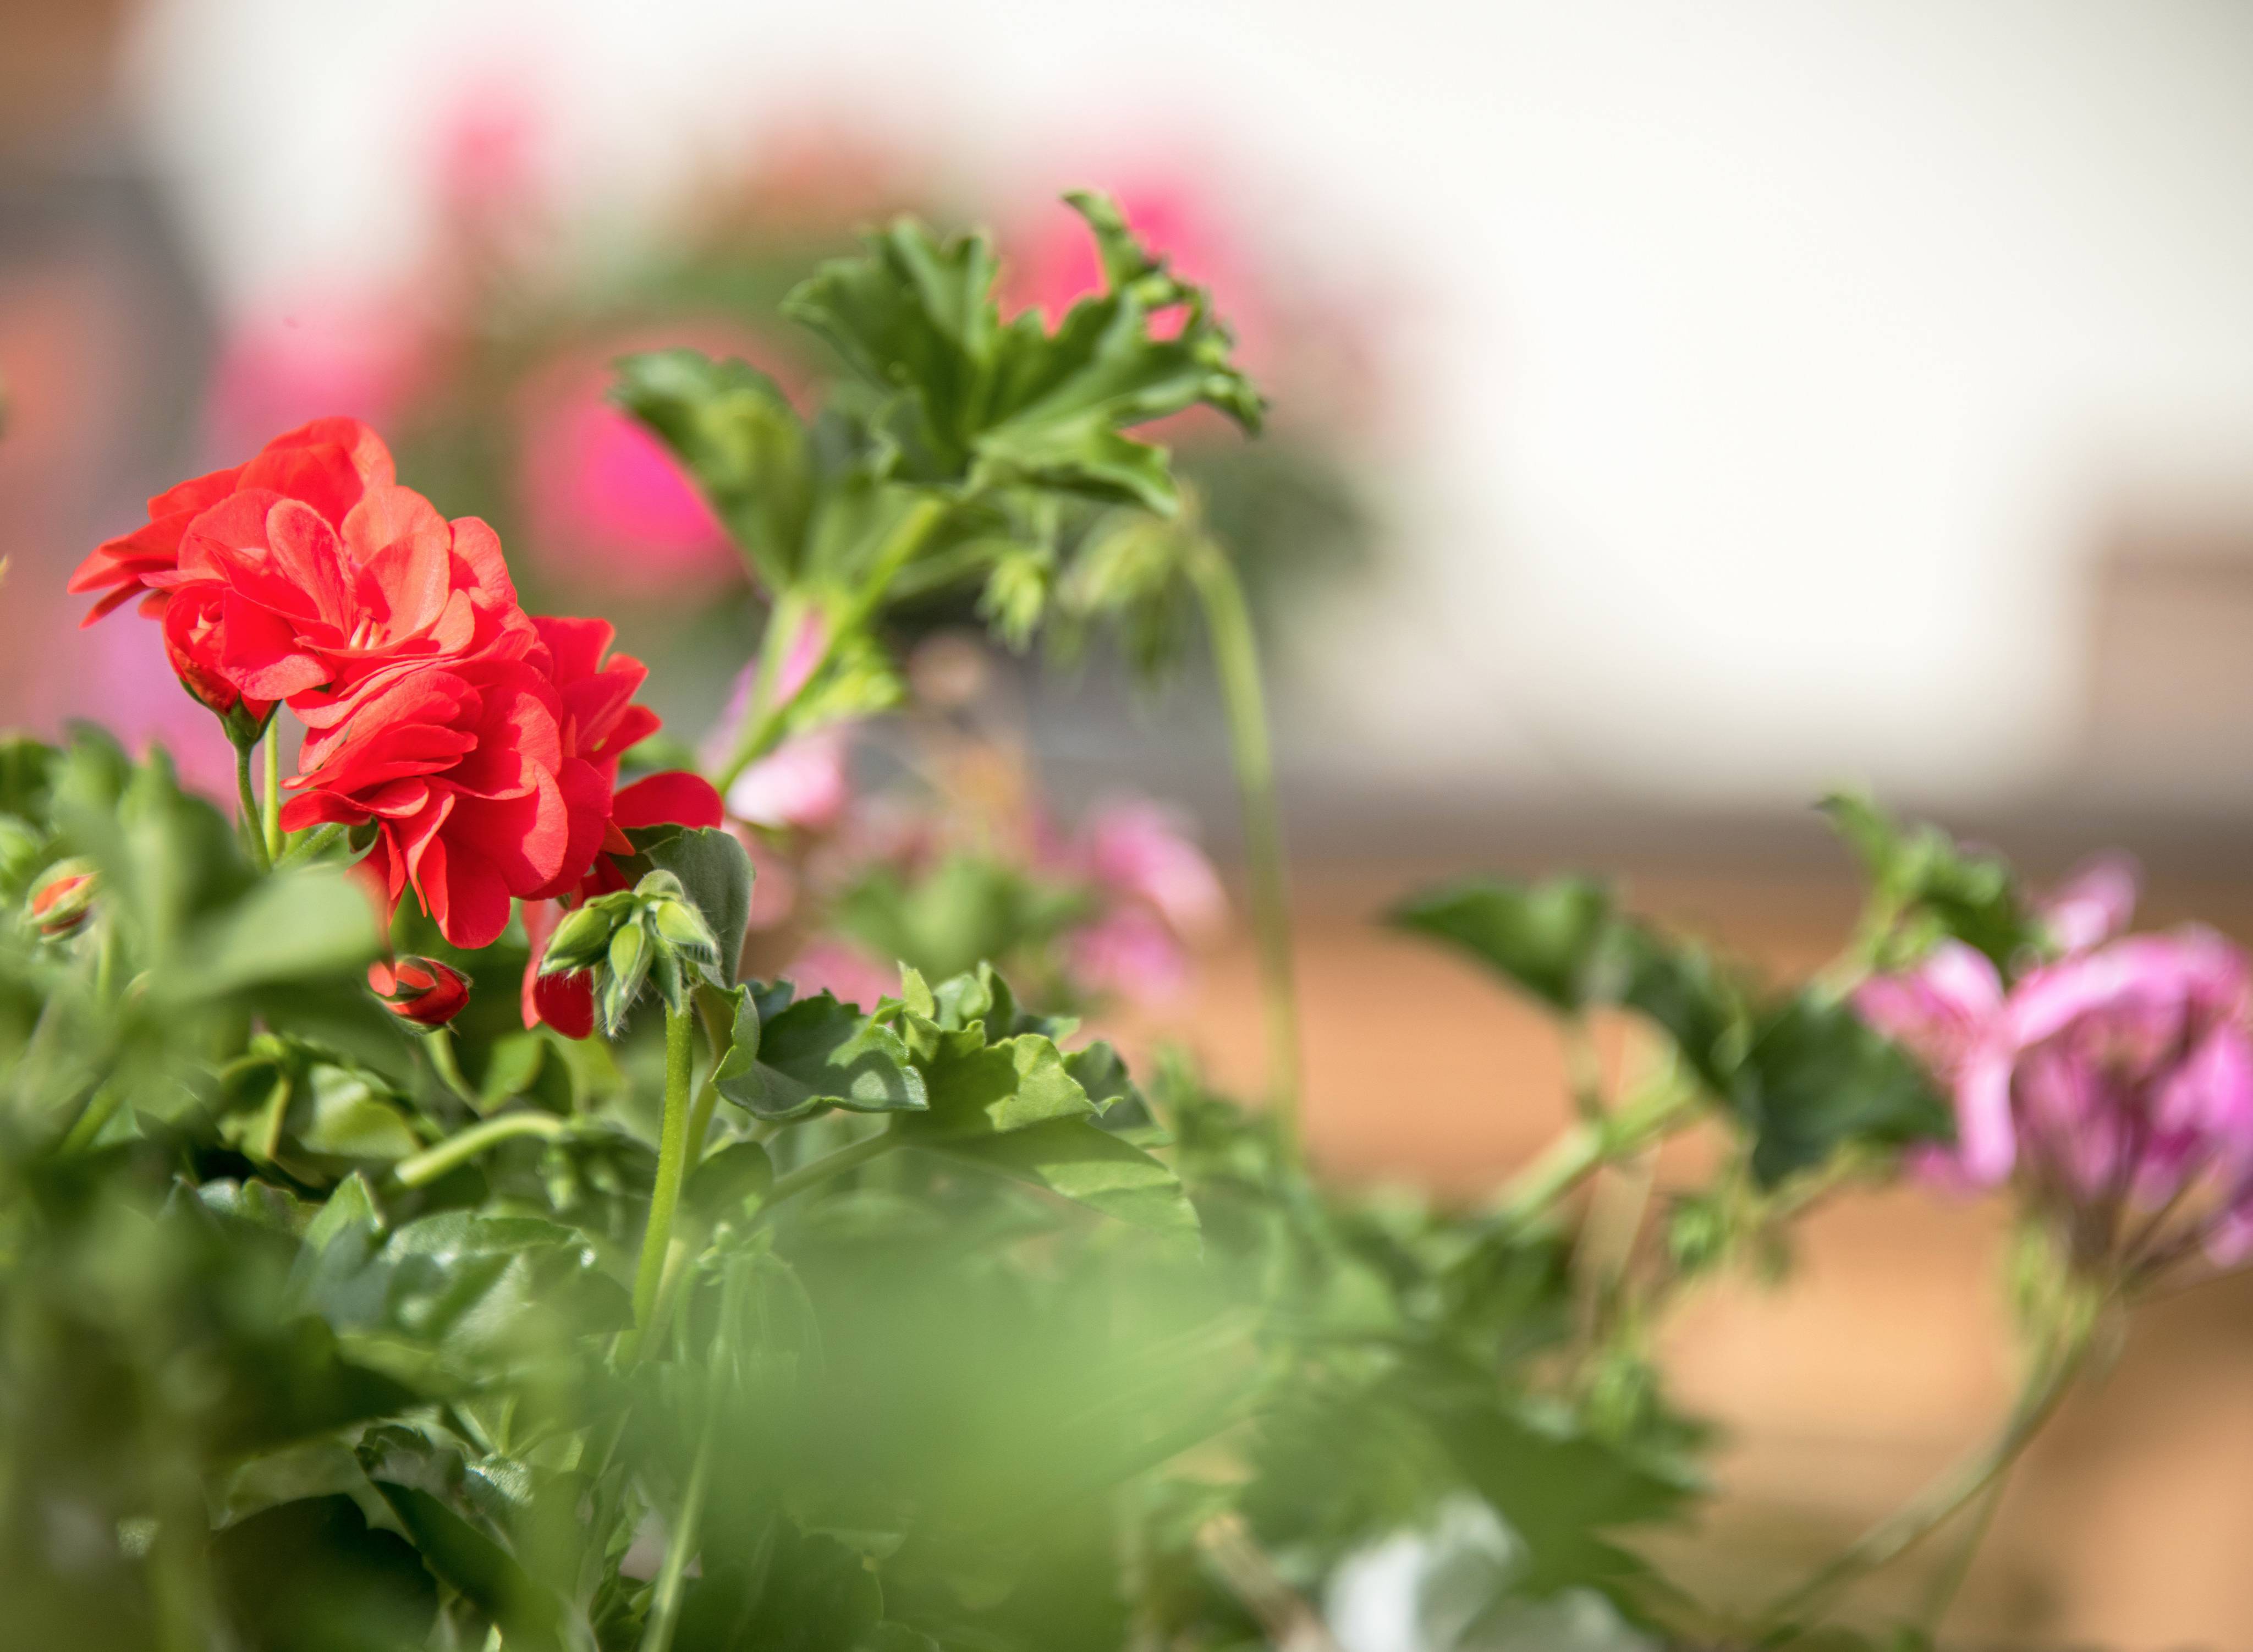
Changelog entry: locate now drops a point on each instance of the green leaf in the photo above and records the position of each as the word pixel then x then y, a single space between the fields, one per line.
pixel 735 432
pixel 1074 1157
pixel 973 401
pixel 1817 1078
pixel 1700 1008
pixel 458 1554
pixel 724 1179
pixel 1919 872
pixel 979 1089
pixel 27 769
pixel 1548 940
pixel 716 873
pixel 290 927
pixel 312 1573
pixel 791 1058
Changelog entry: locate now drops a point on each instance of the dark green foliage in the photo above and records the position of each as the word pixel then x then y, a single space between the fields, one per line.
pixel 1550 940
pixel 1801 1075
pixel 971 399
pixel 1924 885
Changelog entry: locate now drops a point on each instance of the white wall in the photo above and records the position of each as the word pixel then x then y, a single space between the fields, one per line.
pixel 1774 365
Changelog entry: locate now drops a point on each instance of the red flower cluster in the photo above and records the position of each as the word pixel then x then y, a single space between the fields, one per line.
pixel 481 742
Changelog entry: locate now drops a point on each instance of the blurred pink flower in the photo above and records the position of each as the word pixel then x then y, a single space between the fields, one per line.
pixel 852 975
pixel 1129 951
pixel 1940 1009
pixel 1141 849
pixel 2114 1080
pixel 606 506
pixel 488 153
pixel 2094 904
pixel 805 783
pixel 359 359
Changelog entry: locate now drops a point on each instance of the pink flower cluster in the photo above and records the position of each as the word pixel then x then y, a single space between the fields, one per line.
pixel 2114 1082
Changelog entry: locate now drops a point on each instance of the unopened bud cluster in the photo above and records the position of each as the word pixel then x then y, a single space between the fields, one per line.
pixel 651 935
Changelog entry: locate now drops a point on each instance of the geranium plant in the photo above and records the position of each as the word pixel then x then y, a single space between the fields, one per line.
pixel 417 1232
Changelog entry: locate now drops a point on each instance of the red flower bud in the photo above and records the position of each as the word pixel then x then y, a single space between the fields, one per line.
pixel 63 901
pixel 421 990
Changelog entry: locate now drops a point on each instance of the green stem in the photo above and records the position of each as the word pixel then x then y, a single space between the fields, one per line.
pixel 671 1163
pixel 1584 1068
pixel 303 846
pixel 1590 1145
pixel 247 822
pixel 834 1164
pixel 431 1163
pixel 2047 1385
pixel 100 1109
pixel 438 1043
pixel 680 1545
pixel 270 815
pixel 1236 662
pixel 1949 1582
pixel 764 718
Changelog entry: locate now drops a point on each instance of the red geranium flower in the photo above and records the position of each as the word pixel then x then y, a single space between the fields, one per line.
pixel 463 770
pixel 270 601
pixel 326 464
pixel 421 990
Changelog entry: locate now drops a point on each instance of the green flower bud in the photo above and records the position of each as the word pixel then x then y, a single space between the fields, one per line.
pixel 659 885
pixel 629 967
pixel 682 928
pixel 580 940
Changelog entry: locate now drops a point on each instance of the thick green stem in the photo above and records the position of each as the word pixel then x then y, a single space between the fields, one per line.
pixel 431 1163
pixel 249 822
pixel 1236 664
pixel 671 1163
pixel 680 1545
pixel 2047 1384
pixel 1587 1147
pixel 270 814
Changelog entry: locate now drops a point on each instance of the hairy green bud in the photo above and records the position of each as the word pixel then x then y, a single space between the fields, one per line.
pixel 682 928
pixel 580 940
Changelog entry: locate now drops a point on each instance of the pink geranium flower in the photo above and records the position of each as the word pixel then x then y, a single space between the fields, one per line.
pixel 2114 1083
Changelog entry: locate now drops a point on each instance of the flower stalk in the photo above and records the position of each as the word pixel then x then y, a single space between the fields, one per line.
pixel 269 816
pixel 1236 664
pixel 250 818
pixel 422 1168
pixel 671 1163
pixel 2050 1378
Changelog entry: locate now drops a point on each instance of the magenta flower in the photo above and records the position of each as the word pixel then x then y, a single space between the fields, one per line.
pixel 2116 1084
pixel 2095 904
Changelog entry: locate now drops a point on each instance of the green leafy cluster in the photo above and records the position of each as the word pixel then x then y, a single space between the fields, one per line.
pixel 957 1310
pixel 966 449
pixel 1800 1076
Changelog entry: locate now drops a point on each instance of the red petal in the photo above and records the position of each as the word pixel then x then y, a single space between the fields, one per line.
pixel 675 798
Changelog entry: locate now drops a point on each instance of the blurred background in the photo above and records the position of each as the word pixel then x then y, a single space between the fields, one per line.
pixel 1680 411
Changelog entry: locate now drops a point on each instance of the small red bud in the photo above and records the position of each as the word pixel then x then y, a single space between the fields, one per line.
pixel 421 990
